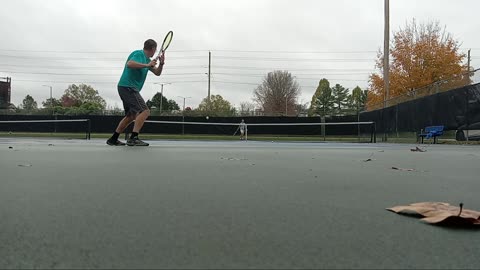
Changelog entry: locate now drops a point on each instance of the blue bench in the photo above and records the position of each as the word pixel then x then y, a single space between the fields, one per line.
pixel 432 132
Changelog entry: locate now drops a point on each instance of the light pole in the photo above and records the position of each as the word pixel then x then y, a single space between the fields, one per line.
pixel 183 114
pixel 386 67
pixel 209 75
pixel 286 110
pixel 51 100
pixel 52 108
pixel 161 92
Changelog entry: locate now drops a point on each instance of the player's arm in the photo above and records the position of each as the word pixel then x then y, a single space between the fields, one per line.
pixel 158 70
pixel 137 59
pixel 136 65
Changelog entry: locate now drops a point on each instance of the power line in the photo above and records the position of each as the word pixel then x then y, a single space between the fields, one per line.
pixel 86 51
pixel 188 67
pixel 85 74
pixel 115 82
pixel 195 67
pixel 94 82
pixel 191 58
pixel 245 83
pixel 299 52
pixel 89 67
pixel 205 50
pixel 320 77
pixel 293 59
pixel 89 58
pixel 289 69
pixel 296 74
pixel 235 82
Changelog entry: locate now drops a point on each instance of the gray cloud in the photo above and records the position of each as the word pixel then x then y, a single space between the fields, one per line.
pixel 61 42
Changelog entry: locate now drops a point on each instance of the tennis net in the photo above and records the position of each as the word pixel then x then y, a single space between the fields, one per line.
pixel 312 131
pixel 35 128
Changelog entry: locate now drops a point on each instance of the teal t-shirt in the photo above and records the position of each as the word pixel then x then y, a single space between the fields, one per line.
pixel 135 78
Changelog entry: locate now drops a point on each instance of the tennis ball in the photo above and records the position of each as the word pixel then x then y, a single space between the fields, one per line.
pixel 206 117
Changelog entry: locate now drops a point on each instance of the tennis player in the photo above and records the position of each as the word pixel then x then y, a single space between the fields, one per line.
pixel 133 77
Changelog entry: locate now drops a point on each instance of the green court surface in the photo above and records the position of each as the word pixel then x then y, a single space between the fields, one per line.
pixel 231 204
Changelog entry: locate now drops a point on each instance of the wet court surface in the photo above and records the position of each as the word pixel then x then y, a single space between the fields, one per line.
pixel 190 204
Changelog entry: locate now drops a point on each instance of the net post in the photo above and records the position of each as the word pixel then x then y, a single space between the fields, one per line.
pixel 89 130
pixel 246 132
pixel 55 123
pixel 324 128
pixel 374 133
pixel 371 133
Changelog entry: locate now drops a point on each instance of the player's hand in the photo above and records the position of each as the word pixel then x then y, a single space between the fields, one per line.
pixel 152 63
pixel 162 59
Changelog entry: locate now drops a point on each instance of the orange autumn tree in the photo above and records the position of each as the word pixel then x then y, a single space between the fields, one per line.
pixel 420 55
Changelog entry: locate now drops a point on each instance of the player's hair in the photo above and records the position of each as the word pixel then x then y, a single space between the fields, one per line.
pixel 149 44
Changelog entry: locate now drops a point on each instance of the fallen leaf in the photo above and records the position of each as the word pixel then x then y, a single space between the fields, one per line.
pixel 369 158
pixel 440 213
pixel 417 150
pixel 25 165
pixel 403 169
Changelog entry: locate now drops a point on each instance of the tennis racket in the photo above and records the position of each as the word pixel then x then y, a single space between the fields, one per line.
pixel 165 44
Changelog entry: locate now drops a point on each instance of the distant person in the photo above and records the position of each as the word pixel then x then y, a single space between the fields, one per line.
pixel 243 129
pixel 133 77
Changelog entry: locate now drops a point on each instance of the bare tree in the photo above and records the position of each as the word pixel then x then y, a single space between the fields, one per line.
pixel 246 108
pixel 278 93
pixel 301 109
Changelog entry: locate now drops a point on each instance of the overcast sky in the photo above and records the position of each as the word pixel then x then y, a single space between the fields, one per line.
pixel 60 42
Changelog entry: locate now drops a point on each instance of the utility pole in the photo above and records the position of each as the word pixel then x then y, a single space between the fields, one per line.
pixel 468 101
pixel 183 114
pixel 51 100
pixel 161 92
pixel 386 65
pixel 52 108
pixel 468 64
pixel 161 100
pixel 209 75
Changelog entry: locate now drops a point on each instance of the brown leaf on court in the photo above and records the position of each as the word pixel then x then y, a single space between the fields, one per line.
pixel 369 158
pixel 440 213
pixel 402 169
pixel 25 165
pixel 417 149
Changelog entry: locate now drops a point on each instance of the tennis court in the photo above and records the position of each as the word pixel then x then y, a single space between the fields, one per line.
pixel 231 204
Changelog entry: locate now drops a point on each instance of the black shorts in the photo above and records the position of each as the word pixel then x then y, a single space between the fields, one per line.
pixel 133 102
